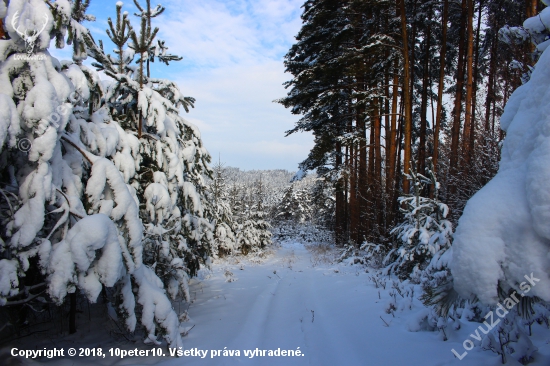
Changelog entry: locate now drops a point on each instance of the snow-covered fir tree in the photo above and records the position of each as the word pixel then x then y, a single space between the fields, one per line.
pixel 179 230
pixel 323 201
pixel 225 238
pixel 424 231
pixel 102 186
pixel 253 230
pixel 296 206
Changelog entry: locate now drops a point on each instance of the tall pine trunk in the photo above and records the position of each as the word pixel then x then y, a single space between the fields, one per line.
pixel 475 82
pixel 441 85
pixel 424 103
pixel 407 95
pixel 377 176
pixel 491 82
pixel 455 131
pixel 340 214
pixel 391 166
pixel 466 143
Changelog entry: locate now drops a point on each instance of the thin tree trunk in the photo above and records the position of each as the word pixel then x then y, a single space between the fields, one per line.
pixel 455 131
pixel 441 84
pixel 531 11
pixel 395 204
pixel 362 182
pixel 466 146
pixel 377 177
pixel 339 229
pixel 140 117
pixel 387 119
pixel 346 197
pixel 491 83
pixel 353 208
pixel 370 208
pixel 390 169
pixel 424 104
pixel 407 96
pixel 72 313
pixel 476 80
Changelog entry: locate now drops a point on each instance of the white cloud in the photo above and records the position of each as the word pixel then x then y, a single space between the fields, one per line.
pixel 235 104
pixel 233 65
pixel 214 33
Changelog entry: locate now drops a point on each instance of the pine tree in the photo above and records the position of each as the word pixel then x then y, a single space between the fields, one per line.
pixel 159 50
pixel 253 231
pixel 87 171
pixel 323 204
pixel 424 231
pixel 73 210
pixel 225 238
pixel 295 207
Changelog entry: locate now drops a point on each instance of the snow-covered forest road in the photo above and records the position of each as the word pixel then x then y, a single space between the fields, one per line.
pixel 298 297
pixel 331 311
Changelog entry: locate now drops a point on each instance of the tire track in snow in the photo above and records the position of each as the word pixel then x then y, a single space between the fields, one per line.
pixel 254 325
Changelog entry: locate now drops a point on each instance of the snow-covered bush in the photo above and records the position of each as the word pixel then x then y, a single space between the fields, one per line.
pixel 424 231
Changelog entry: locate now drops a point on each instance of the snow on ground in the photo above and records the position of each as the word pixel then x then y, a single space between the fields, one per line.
pixel 295 299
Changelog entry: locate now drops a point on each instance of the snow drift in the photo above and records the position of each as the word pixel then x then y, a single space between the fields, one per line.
pixel 504 233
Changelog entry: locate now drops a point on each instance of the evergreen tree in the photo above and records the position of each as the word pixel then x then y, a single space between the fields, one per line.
pixel 323 203
pixel 171 157
pixel 424 232
pixel 295 207
pixel 253 232
pixel 73 220
pixel 225 239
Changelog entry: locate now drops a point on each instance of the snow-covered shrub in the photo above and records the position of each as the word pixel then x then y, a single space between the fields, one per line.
pixel 423 233
pixel 510 339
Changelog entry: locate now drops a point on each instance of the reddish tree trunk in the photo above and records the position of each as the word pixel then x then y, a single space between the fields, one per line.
pixel 455 131
pixel 441 84
pixel 466 142
pixel 407 95
pixel 424 104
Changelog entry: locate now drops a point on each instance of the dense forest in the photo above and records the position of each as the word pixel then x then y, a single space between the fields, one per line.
pixel 394 87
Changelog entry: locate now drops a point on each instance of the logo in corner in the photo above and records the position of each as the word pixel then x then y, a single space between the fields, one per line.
pixel 29 36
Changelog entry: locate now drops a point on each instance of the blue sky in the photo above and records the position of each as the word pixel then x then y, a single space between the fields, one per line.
pixel 233 65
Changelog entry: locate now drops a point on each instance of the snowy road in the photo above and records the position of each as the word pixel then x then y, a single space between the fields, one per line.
pixel 330 311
